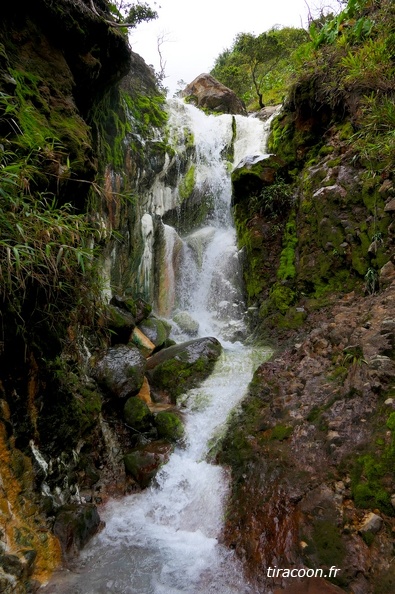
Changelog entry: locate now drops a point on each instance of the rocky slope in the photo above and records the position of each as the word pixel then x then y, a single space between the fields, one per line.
pixel 312 450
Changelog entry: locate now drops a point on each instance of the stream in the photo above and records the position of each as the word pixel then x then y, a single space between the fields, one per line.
pixel 166 539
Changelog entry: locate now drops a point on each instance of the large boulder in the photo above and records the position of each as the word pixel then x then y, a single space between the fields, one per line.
pixel 208 93
pixel 121 371
pixel 178 368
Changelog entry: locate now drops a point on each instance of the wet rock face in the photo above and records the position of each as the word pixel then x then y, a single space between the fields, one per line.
pixel 75 525
pixel 178 368
pixel 144 462
pixel 208 93
pixel 312 453
pixel 121 371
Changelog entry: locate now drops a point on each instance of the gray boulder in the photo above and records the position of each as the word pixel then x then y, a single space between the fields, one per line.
pixel 121 371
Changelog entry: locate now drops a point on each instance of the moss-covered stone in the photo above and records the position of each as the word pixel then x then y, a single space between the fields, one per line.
pixel 169 426
pixel 156 330
pixel 178 368
pixel 137 415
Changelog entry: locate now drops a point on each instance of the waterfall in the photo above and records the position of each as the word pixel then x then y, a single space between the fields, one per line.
pixel 165 540
pixel 205 278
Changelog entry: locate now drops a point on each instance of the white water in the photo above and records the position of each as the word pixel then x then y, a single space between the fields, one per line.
pixel 165 540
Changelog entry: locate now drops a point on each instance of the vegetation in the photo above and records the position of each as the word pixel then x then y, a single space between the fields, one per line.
pixel 126 15
pixel 258 68
pixel 46 246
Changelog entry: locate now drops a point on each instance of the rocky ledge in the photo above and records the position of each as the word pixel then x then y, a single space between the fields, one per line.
pixel 313 451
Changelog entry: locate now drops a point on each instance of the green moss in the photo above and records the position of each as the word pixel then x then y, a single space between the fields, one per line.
pixel 327 543
pixel 372 476
pixel 137 414
pixel 281 297
pixel 187 185
pixel 169 426
pixel 334 162
pixel 326 150
pixel 281 432
pixel 286 269
pixel 292 320
pixel 345 130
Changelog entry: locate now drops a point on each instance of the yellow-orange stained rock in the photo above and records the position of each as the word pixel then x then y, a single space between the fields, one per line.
pixel 145 392
pixel 142 341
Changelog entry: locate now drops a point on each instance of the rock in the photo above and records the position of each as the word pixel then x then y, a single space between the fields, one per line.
pixel 360 585
pixel 75 524
pixel 198 241
pixel 387 274
pixel 156 330
pixel 207 92
pixel 143 463
pixel 371 523
pixel 265 113
pixel 121 323
pixel 253 173
pixel 145 392
pixel 169 426
pixel 390 206
pixel 311 585
pixel 137 415
pixel 142 342
pixel 12 564
pixel 186 323
pixel 143 310
pixel 178 368
pixel 121 371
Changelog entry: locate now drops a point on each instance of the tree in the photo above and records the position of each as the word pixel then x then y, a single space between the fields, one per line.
pixel 125 14
pixel 254 61
pixel 260 55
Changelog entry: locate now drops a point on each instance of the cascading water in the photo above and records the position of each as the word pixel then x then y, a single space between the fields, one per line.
pixel 164 540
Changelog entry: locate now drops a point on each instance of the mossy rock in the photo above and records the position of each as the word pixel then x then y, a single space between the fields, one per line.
pixel 121 323
pixel 156 330
pixel 137 415
pixel 169 426
pixel 178 368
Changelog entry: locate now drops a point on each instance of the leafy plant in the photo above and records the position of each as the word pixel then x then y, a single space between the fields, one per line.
pixel 352 356
pixel 274 200
pixel 371 281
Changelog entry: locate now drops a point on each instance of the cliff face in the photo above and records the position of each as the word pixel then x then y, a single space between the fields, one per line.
pixel 79 115
pixel 313 481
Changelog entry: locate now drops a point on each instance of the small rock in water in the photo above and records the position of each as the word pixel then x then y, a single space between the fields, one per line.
pixel 186 323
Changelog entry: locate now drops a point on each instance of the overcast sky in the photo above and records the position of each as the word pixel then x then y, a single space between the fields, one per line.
pixel 195 32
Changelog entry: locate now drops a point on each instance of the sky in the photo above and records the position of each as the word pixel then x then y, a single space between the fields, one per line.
pixel 195 32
